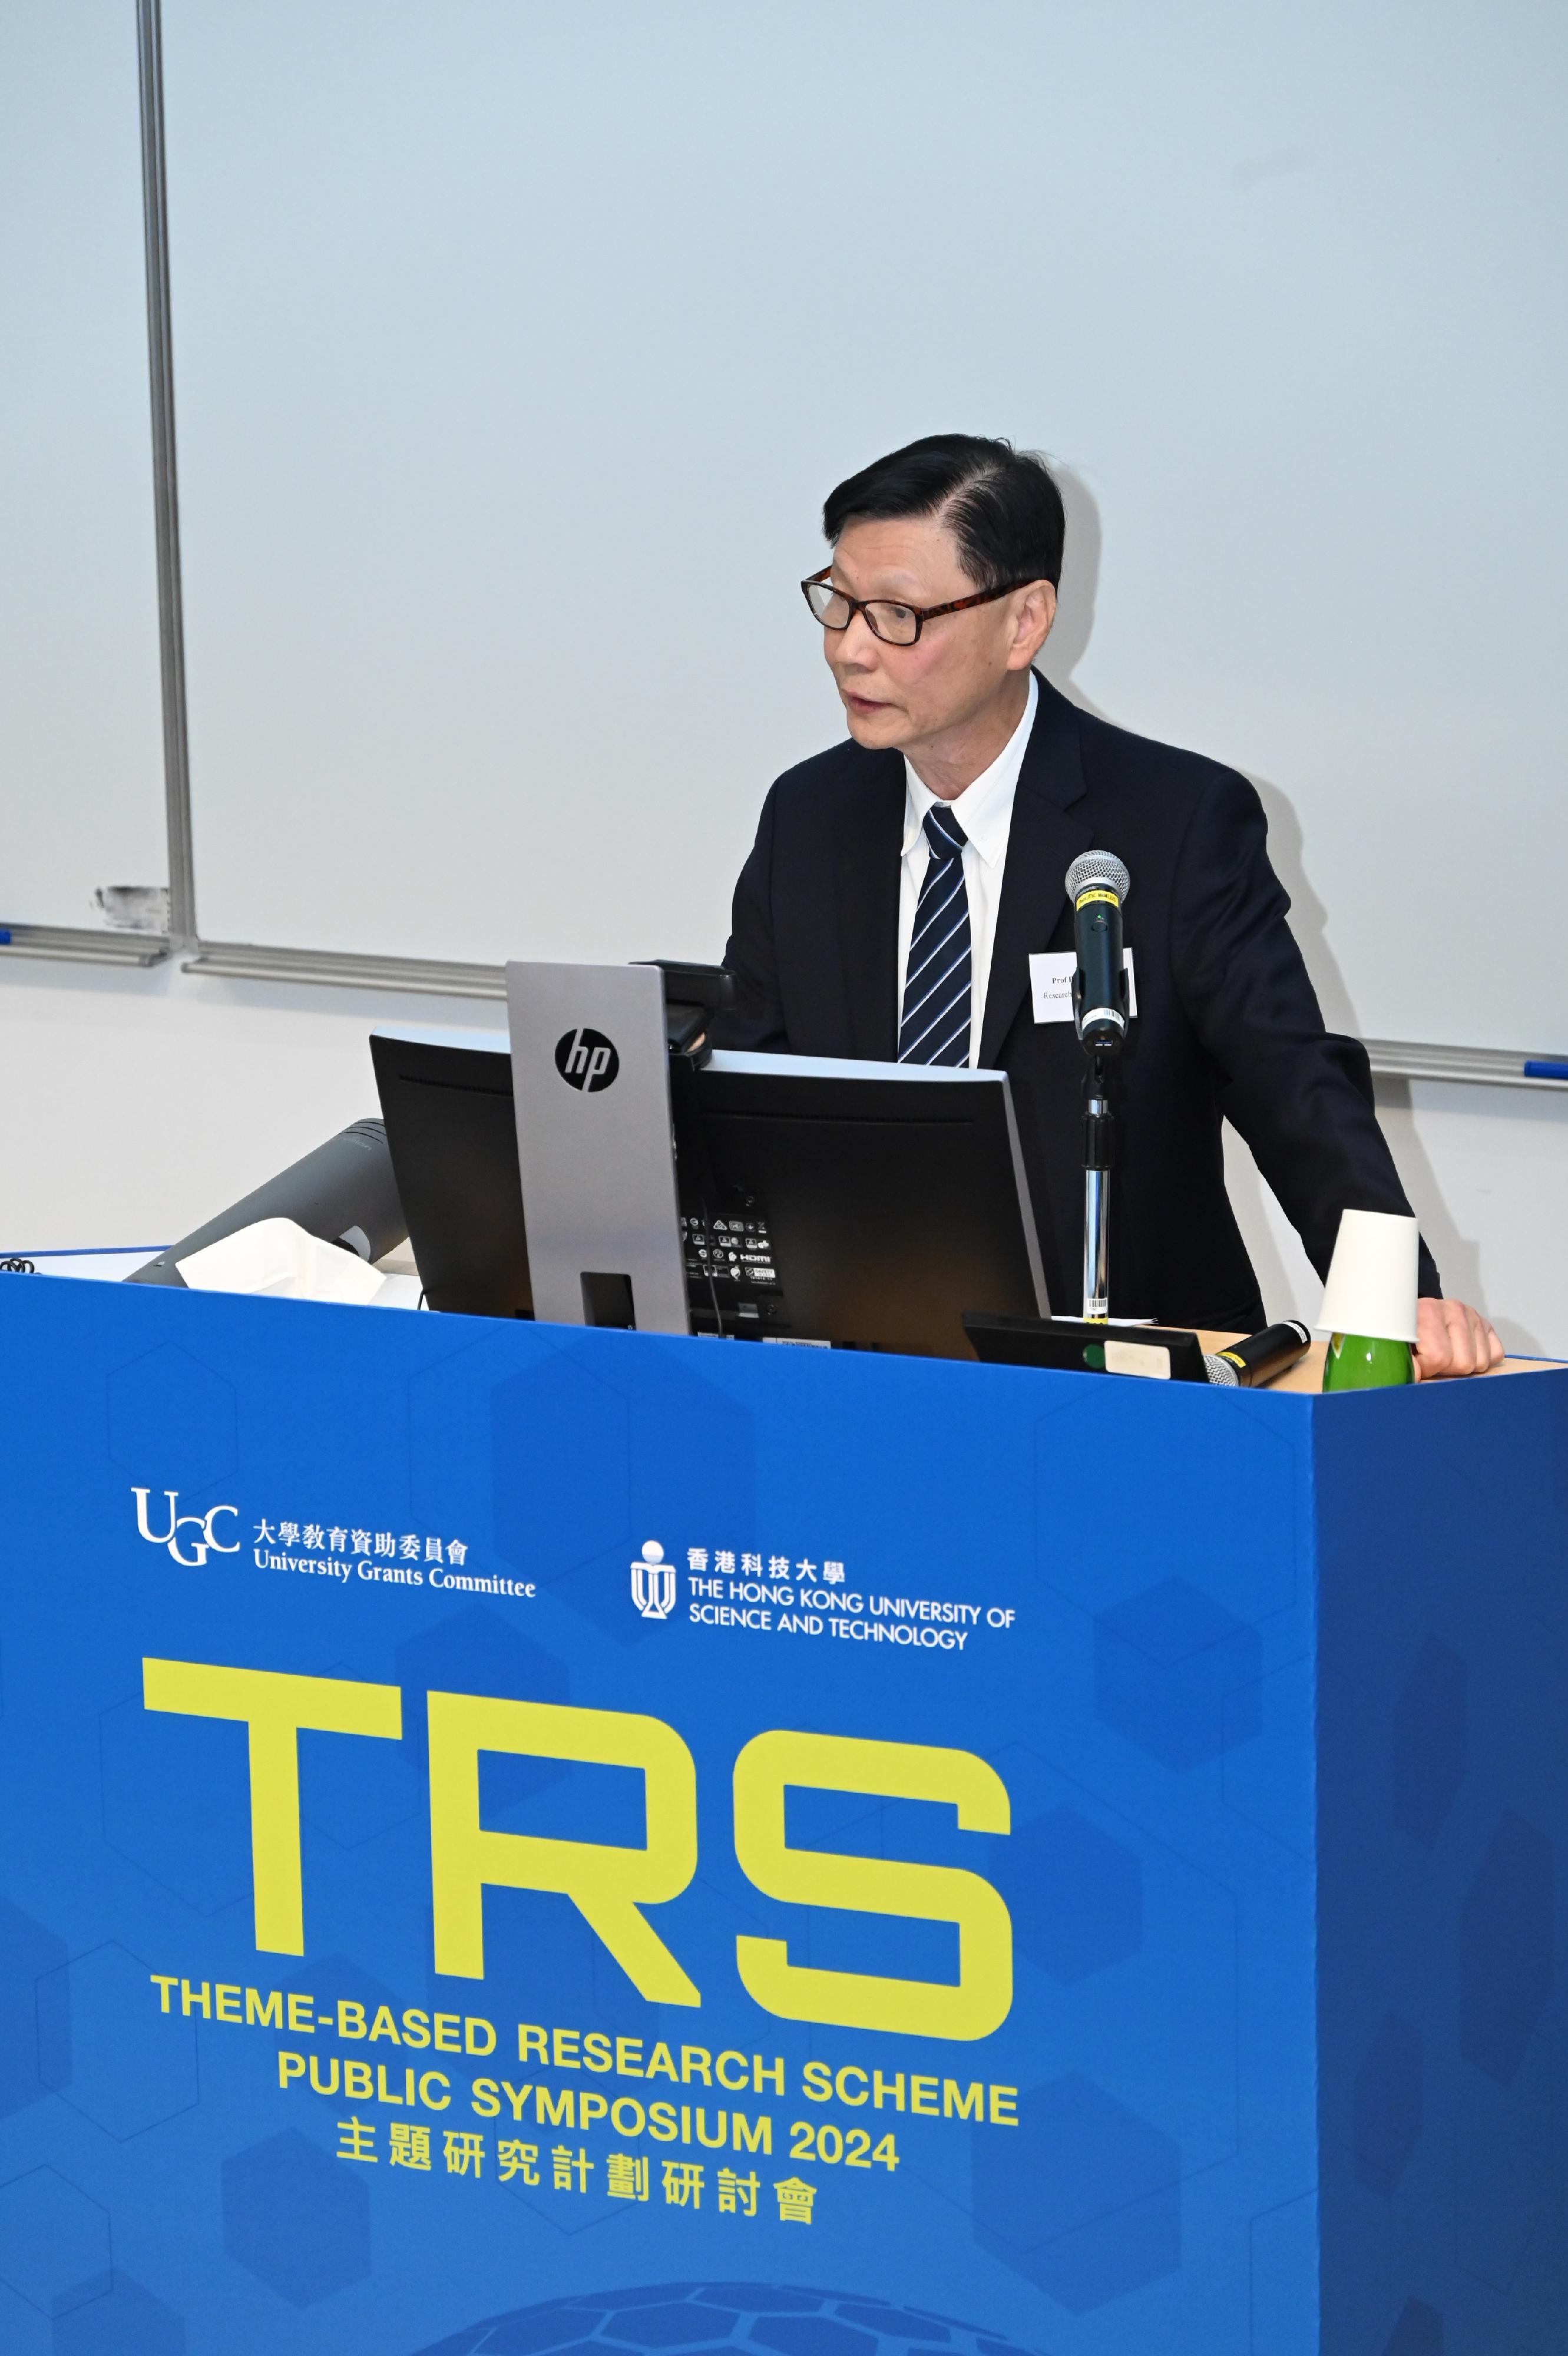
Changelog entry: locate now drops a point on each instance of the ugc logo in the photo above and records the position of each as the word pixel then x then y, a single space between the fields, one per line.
pixel 200 1547
pixel 586 1060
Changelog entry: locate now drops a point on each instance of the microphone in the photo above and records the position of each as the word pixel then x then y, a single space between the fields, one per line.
pixel 1097 884
pixel 1257 1360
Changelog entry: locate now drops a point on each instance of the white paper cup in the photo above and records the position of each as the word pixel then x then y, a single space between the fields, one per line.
pixel 1373 1278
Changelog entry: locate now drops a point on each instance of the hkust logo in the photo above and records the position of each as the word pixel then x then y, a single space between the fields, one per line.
pixel 207 1542
pixel 653 1582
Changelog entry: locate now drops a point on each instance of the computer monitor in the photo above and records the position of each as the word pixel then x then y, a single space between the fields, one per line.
pixel 888 1198
pixel 453 1141
pixel 863 1206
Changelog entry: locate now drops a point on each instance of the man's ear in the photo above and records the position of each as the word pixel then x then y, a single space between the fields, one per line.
pixel 1032 614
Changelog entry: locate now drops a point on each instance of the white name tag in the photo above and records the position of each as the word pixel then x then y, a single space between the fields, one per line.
pixel 1050 980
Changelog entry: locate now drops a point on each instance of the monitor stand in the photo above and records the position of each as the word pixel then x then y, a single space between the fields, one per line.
pixel 591 1083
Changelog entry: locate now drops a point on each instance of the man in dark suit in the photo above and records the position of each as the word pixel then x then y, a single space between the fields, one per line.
pixel 906 897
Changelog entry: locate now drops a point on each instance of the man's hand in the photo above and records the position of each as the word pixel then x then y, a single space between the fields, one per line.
pixel 1453 1339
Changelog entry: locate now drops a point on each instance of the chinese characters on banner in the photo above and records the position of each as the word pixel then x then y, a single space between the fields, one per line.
pixel 683 2183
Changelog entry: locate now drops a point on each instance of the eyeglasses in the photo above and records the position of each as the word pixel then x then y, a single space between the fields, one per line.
pixel 896 624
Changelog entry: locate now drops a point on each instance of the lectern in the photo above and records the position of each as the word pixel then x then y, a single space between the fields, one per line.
pixel 518 1837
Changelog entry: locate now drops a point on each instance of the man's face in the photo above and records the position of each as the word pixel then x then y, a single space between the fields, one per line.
pixel 904 697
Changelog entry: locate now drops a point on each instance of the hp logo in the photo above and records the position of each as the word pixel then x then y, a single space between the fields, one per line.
pixel 586 1060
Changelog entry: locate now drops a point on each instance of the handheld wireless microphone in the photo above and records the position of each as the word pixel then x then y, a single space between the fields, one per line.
pixel 1097 884
pixel 1261 1356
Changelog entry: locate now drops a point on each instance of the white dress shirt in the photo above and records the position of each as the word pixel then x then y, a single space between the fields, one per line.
pixel 984 810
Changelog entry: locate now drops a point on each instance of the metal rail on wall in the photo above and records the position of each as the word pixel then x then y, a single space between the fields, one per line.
pixel 1390 1059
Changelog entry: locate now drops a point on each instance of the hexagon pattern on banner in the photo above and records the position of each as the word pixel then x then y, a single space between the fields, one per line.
pixel 122 2080
pixel 297 2220
pixel 29 1955
pixel 1246 1493
pixel 172 1422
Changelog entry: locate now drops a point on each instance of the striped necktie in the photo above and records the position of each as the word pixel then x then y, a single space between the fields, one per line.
pixel 934 1027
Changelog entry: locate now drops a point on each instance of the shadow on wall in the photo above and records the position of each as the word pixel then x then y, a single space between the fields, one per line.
pixel 1068 641
pixel 1287 1291
pixel 1457 1257
pixel 1065 650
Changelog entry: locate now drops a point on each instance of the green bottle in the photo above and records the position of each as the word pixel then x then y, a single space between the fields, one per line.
pixel 1360 1362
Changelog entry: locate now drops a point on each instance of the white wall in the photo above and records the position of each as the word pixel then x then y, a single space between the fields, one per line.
pixel 1486 1171
pixel 138 1104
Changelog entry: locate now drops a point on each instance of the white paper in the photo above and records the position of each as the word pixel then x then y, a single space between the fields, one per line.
pixel 399 1290
pixel 277 1256
pixel 1051 982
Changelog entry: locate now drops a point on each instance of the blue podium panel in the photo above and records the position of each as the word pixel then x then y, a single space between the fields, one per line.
pixel 519 1839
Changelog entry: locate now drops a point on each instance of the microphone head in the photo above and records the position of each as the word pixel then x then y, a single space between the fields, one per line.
pixel 1098 867
pixel 1221 1370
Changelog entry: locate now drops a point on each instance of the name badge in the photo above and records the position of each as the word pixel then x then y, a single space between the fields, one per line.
pixel 1050 984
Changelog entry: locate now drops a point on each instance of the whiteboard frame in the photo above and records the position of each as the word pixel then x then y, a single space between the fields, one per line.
pixel 165 472
pixel 84 942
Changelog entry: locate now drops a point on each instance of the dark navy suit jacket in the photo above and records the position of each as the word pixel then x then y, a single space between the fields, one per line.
pixel 1228 1025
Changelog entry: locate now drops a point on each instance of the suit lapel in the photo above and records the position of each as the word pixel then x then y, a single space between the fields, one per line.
pixel 1045 836
pixel 870 842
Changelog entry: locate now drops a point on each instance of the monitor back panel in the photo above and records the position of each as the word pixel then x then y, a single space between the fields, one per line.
pixel 888 1209
pixel 452 1134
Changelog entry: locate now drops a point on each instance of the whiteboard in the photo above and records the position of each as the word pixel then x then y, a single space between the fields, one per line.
pixel 517 345
pixel 81 774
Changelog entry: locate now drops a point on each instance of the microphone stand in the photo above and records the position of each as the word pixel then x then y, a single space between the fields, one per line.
pixel 1097 884
pixel 1098 1155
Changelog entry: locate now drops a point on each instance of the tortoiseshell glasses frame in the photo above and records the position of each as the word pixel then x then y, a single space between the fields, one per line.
pixel 821 597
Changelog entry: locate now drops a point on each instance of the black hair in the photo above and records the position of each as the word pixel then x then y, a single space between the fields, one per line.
pixel 1002 504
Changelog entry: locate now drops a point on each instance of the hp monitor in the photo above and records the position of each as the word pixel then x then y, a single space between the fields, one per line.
pixel 855 1205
